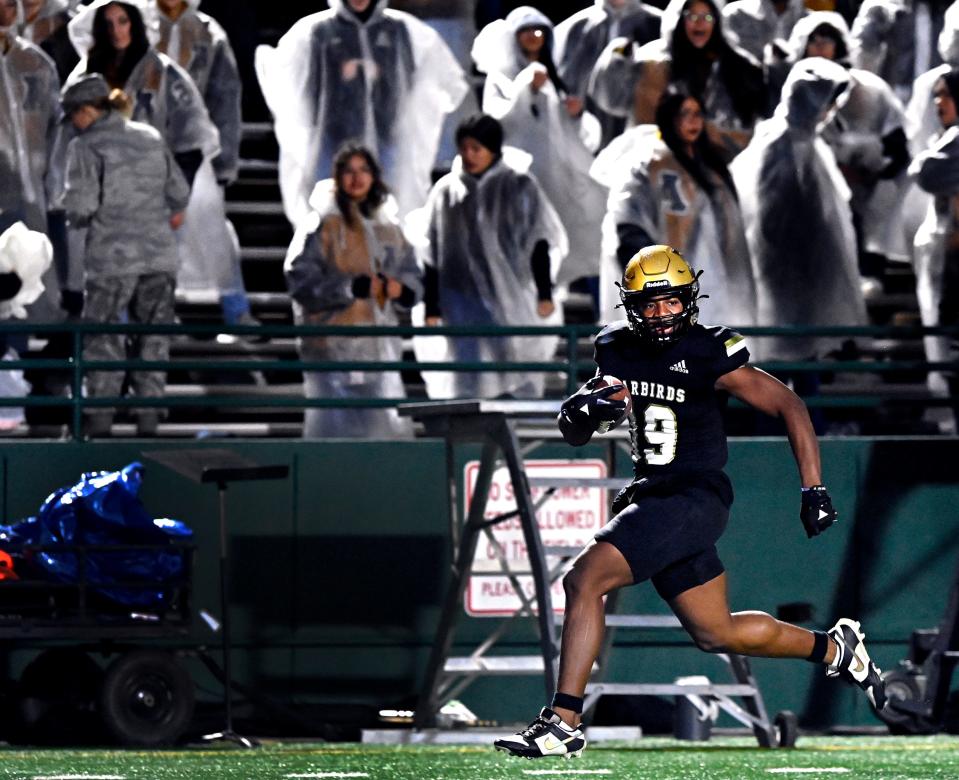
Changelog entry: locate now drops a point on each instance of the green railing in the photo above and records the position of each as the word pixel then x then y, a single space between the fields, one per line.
pixel 573 366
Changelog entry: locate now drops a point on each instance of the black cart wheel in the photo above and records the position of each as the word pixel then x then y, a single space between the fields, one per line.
pixel 57 694
pixel 902 685
pixel 146 698
pixel 787 728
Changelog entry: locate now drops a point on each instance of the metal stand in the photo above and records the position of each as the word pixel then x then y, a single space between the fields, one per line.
pixel 221 467
pixel 487 422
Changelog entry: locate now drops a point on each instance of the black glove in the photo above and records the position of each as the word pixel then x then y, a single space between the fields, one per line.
pixel 71 301
pixel 817 513
pixel 588 408
pixel 10 284
pixel 361 286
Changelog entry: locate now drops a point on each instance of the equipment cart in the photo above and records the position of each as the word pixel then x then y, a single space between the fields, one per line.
pixel 137 690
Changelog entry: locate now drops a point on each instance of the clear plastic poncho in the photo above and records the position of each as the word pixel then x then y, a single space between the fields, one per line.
pixel 29 113
pixel 208 245
pixel 923 129
pixel 580 39
pixel 162 94
pixel 197 43
pixel 538 123
pixel 795 206
pixel 30 165
pixel 896 39
pixel 922 123
pixel 48 30
pixel 866 113
pixel 324 258
pixel 937 173
pixel 753 24
pixel 386 83
pixel 629 80
pixel 650 189
pixel 479 236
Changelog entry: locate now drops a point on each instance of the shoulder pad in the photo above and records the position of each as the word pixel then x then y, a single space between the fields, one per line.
pixel 611 332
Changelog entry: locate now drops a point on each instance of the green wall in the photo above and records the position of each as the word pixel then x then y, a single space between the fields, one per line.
pixel 339 571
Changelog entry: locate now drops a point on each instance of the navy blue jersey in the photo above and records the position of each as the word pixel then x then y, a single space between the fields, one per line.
pixel 676 422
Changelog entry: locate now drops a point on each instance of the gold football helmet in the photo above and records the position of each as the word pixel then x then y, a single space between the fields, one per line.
pixel 659 272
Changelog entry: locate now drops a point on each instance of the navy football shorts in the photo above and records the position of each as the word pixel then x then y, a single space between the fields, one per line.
pixel 669 530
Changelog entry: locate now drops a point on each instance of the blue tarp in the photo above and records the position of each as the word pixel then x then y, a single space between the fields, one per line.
pixel 104 508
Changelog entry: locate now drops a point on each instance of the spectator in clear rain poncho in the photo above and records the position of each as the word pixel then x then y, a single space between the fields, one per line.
pixel 896 39
pixel 29 168
pixel 799 227
pixel 364 73
pixel 922 118
pixel 209 248
pixel 867 136
pixel 539 115
pixel 580 39
pixel 494 246
pixel 45 24
pixel 629 80
pixel 675 190
pixel 113 39
pixel 937 241
pixel 761 27
pixel 124 187
pixel 349 264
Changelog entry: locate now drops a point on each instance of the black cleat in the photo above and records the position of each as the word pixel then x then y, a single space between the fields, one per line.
pixel 852 662
pixel 547 735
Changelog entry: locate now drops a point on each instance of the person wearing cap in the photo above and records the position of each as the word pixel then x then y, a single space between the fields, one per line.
pixel 524 91
pixel 494 245
pixel 209 248
pixel 365 73
pixel 936 171
pixel 124 188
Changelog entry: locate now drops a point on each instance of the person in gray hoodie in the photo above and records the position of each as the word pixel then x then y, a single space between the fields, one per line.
pixel 125 189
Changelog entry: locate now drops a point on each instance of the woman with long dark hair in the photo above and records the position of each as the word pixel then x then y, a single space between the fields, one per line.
pixel 676 190
pixel 349 264
pixel 525 93
pixel 630 79
pixel 113 39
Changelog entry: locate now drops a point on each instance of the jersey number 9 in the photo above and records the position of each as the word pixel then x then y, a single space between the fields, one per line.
pixel 661 435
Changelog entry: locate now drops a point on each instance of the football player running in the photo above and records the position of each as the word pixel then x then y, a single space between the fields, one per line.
pixel 667 521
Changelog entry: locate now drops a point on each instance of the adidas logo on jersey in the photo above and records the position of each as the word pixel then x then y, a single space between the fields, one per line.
pixel 679 367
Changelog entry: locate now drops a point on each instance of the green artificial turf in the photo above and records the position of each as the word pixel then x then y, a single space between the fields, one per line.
pixel 868 758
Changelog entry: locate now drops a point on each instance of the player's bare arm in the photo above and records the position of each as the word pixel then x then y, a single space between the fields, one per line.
pixel 764 392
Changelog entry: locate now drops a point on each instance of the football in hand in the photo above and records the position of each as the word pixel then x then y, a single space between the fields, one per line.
pixel 621 395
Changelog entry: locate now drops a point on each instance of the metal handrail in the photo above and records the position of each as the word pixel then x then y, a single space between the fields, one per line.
pixel 570 366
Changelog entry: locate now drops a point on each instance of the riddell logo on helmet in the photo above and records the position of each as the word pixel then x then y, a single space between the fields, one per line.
pixel 657 283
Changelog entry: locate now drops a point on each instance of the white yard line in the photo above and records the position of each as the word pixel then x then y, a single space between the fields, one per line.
pixel 330 774
pixel 79 777
pixel 567 771
pixel 808 770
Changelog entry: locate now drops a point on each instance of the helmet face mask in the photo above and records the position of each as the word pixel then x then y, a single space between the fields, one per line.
pixel 659 273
